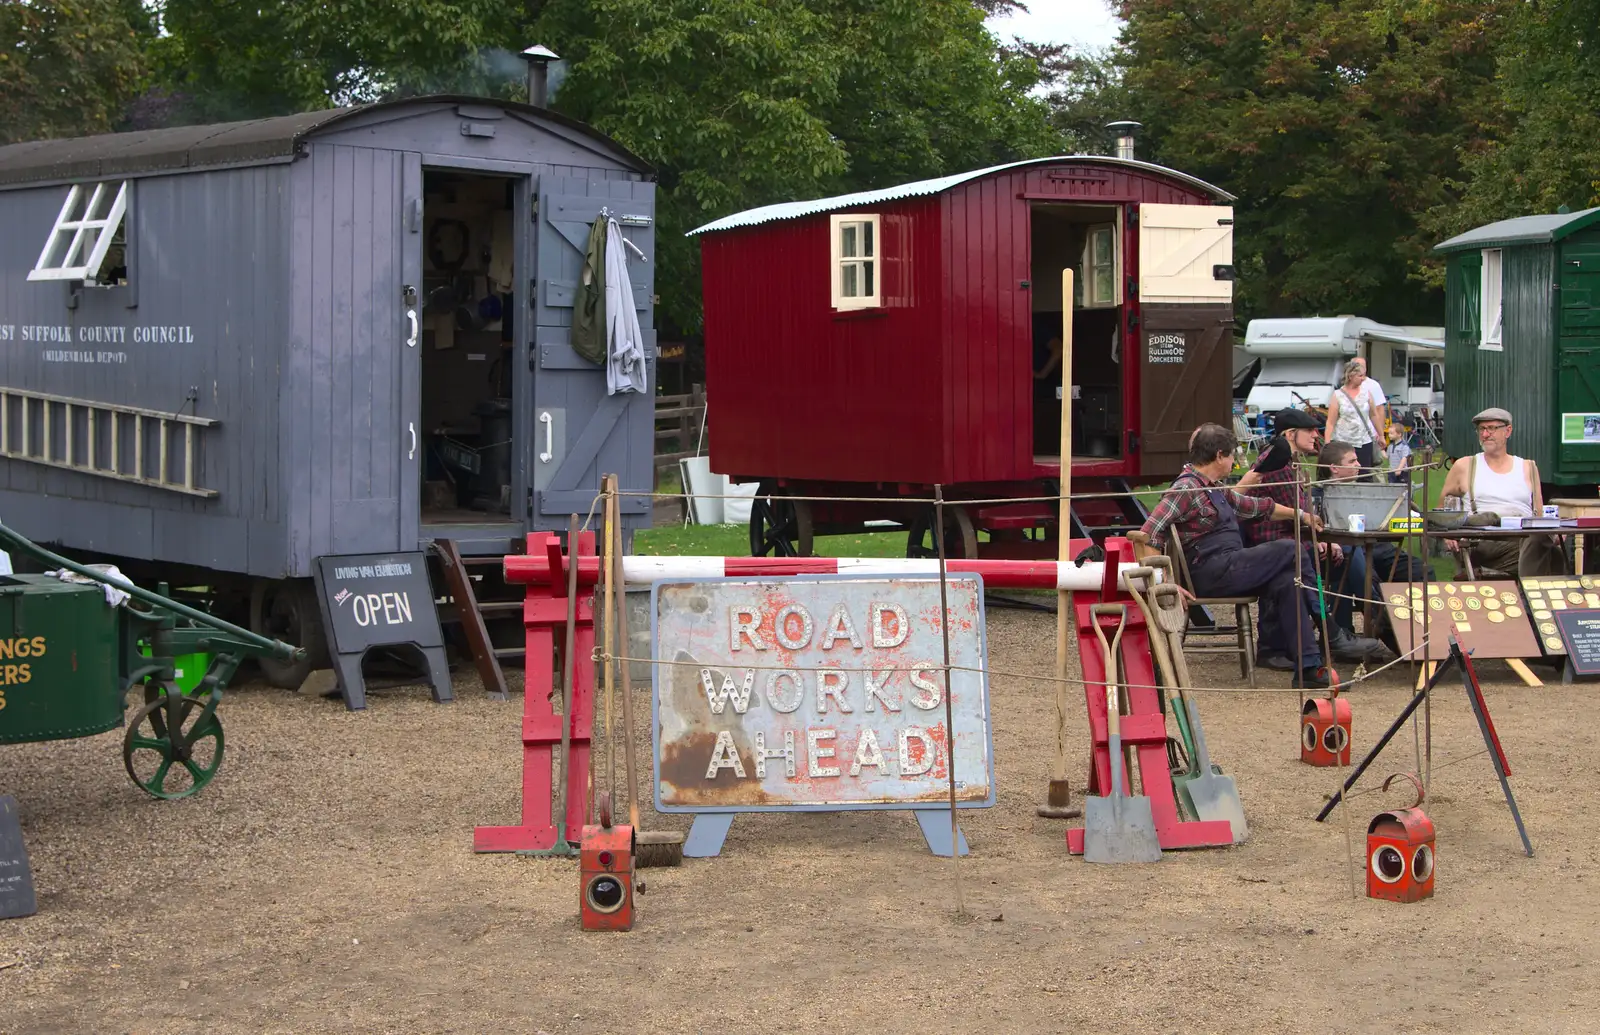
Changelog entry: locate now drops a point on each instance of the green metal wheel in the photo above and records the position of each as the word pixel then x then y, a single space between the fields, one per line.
pixel 174 744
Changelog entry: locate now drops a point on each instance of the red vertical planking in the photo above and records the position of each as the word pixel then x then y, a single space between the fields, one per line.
pixel 933 386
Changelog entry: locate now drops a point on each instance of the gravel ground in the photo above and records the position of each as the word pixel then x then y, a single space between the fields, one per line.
pixel 325 882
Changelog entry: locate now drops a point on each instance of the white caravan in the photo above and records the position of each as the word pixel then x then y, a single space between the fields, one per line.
pixel 1302 360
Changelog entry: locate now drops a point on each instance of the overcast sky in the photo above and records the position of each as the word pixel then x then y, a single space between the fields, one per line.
pixel 1082 22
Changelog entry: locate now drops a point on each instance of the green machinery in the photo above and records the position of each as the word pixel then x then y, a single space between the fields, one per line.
pixel 68 659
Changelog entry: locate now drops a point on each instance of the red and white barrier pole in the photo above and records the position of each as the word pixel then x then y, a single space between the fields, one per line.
pixel 997 574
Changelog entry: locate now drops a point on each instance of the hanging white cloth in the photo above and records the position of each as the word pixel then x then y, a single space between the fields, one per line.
pixel 114 596
pixel 625 369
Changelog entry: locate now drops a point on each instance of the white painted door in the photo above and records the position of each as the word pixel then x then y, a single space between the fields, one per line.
pixel 1185 253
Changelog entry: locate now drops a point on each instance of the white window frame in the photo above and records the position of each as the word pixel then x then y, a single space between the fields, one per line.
pixel 872 262
pixel 1088 296
pixel 1491 303
pixel 62 256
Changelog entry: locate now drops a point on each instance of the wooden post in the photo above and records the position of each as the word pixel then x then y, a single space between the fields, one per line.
pixel 1058 796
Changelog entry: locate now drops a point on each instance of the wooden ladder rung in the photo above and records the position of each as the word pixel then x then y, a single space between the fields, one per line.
pixel 470 615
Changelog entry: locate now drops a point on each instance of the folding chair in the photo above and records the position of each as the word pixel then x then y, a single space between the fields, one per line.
pixel 1238 638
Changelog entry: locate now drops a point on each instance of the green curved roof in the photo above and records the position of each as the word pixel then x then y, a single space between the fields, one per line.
pixel 1542 229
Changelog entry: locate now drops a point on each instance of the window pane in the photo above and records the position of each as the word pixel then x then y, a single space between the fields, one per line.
pixel 1102 247
pixel 849 242
pixel 869 251
pixel 866 278
pixel 1104 284
pixel 850 280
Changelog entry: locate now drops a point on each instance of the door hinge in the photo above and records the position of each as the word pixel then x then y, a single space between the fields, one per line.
pixel 1133 442
pixel 530 503
pixel 533 210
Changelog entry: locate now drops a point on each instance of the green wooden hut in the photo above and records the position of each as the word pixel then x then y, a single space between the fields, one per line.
pixel 1522 331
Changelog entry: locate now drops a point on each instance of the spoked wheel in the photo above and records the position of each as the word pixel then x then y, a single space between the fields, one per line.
pixel 960 538
pixel 174 744
pixel 780 527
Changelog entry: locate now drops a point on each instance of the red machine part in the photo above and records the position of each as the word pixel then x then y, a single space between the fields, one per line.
pixel 1325 731
pixel 544 617
pixel 1144 728
pixel 1400 851
pixel 605 875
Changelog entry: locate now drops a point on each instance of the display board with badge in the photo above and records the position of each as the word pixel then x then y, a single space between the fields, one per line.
pixel 1488 618
pixel 1551 596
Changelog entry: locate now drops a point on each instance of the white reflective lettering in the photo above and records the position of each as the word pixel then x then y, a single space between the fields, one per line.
pixel 815 752
pixel 724 756
pixel 780 627
pixel 930 695
pixel 881 636
pixel 875 684
pixel 915 766
pixel 867 752
pixel 832 684
pixel 840 627
pixel 782 703
pixel 745 619
pixel 786 753
pixel 718 699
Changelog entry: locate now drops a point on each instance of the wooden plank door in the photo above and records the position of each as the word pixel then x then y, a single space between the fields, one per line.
pixel 407 297
pixel 580 432
pixel 1185 253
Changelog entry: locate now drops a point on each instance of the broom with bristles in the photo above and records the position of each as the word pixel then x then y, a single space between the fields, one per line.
pixel 651 847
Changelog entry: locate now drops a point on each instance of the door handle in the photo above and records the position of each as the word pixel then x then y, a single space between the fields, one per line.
pixel 411 314
pixel 549 437
pixel 413 429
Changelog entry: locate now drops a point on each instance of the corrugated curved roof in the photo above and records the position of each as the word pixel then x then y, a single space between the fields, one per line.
pixel 919 188
pixel 1541 229
pixel 228 143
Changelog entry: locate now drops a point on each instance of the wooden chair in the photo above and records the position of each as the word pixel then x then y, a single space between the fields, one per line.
pixel 1238 638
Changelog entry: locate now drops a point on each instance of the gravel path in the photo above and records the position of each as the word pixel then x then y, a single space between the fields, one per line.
pixel 325 883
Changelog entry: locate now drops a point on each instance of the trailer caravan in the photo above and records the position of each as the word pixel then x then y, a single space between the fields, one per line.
pixel 340 332
pixel 1302 361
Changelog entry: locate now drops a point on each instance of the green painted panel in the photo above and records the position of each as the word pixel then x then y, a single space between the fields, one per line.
pixel 1580 287
pixel 1578 395
pixel 58 660
pixel 1461 298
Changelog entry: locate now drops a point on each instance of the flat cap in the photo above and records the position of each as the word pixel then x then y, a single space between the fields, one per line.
pixel 1492 413
pixel 1291 417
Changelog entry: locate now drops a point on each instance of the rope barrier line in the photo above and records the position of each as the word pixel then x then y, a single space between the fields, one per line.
pixel 599 655
pixel 1128 494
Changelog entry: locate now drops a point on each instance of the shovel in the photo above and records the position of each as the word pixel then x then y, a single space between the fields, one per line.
pixel 1120 828
pixel 1210 795
pixel 1161 650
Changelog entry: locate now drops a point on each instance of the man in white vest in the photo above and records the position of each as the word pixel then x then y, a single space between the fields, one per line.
pixel 1494 481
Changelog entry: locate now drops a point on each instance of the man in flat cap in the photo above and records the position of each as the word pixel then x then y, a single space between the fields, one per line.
pixel 1494 481
pixel 1276 475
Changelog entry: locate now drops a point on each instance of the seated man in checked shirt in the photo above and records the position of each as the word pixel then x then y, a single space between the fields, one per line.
pixel 1207 513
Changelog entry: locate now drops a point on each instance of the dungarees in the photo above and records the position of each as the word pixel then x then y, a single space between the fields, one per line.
pixel 1224 567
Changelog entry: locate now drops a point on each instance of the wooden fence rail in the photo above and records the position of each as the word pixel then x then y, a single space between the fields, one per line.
pixel 679 422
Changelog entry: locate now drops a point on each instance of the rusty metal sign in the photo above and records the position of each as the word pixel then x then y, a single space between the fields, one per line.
pixel 821 692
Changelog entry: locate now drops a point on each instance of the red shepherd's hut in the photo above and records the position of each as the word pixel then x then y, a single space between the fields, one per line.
pixel 875 344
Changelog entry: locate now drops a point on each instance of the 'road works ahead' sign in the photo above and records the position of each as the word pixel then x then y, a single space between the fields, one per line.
pixel 818 692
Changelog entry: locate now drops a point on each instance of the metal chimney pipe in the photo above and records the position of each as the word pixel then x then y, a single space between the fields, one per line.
pixel 1125 131
pixel 538 58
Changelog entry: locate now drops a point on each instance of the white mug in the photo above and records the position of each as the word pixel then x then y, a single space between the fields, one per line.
pixel 1358 522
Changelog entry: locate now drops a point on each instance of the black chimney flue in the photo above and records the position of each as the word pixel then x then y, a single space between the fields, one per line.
pixel 538 59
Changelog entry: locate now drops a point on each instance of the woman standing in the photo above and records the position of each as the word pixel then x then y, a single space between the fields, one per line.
pixel 1350 417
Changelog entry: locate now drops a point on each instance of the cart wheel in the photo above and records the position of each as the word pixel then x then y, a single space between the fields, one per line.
pixel 174 744
pixel 287 610
pixel 960 538
pixel 780 527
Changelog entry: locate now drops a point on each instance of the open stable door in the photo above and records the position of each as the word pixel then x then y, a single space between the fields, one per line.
pixel 1185 280
pixel 580 432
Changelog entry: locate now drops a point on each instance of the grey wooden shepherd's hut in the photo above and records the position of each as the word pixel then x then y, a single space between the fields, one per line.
pixel 232 349
pixel 1522 331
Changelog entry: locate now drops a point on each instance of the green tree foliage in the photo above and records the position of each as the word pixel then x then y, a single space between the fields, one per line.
pixel 1338 125
pixel 746 102
pixel 69 67
pixel 1546 149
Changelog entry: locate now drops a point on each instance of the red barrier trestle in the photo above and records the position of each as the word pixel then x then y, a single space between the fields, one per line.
pixel 544 616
